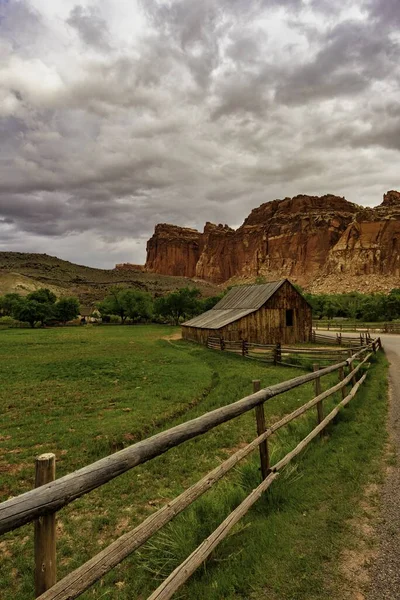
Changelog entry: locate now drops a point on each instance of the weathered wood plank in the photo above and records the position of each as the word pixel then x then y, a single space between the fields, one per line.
pixel 261 428
pixel 320 410
pixel 45 530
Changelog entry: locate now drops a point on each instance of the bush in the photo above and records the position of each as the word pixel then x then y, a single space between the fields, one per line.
pixel 7 321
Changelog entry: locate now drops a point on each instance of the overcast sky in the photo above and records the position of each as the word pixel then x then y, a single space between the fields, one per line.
pixel 116 115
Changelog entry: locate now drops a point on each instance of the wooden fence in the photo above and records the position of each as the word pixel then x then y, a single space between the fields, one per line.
pixel 294 355
pixel 362 339
pixel 387 327
pixel 41 504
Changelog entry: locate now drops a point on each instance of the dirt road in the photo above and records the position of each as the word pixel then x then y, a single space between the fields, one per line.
pixel 385 572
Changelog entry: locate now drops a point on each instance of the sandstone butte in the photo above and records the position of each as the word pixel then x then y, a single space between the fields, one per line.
pixel 325 244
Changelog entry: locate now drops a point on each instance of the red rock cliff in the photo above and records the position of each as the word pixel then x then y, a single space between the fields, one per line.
pixel 174 250
pixel 324 243
pixel 367 256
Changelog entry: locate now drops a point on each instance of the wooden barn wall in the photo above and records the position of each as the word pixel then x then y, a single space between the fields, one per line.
pixel 266 325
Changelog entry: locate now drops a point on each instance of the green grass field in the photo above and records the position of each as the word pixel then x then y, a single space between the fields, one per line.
pixel 86 392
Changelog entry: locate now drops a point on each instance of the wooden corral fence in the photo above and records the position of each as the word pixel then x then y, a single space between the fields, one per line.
pixel 387 327
pixel 362 339
pixel 41 504
pixel 294 356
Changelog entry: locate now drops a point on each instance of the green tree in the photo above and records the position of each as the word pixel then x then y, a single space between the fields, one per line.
pixel 46 299
pixel 66 309
pixel 114 304
pixel 330 308
pixel 125 303
pixel 30 311
pixel 177 305
pixel 209 303
pixel 393 305
pixel 8 302
pixel 138 305
pixel 43 296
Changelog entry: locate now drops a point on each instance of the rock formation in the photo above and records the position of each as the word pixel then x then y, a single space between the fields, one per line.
pixel 174 250
pixel 368 253
pixel 323 243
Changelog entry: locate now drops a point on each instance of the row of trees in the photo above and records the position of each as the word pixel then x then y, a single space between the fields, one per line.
pixel 140 306
pixel 40 306
pixel 353 305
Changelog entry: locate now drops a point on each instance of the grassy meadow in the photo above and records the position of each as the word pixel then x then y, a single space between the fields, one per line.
pixel 83 393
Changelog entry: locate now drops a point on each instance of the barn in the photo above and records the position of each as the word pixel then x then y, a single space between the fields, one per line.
pixel 262 314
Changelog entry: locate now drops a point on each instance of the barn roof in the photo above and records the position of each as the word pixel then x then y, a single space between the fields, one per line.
pixel 238 302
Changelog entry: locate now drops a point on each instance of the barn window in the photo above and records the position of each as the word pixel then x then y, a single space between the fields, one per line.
pixel 289 318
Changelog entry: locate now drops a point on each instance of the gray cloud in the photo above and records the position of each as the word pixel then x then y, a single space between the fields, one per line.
pixel 116 116
pixel 90 26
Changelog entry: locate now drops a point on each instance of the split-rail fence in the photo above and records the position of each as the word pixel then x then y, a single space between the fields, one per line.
pixel 332 324
pixel 41 504
pixel 333 349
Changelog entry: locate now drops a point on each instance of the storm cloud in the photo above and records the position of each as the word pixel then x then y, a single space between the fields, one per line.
pixel 115 116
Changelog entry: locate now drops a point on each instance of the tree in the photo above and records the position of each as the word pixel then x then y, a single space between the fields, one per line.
pixel 127 303
pixel 138 305
pixel 30 311
pixel 209 303
pixel 330 308
pixel 43 296
pixel 183 303
pixel 393 305
pixel 8 302
pixel 114 304
pixel 66 309
pixel 46 299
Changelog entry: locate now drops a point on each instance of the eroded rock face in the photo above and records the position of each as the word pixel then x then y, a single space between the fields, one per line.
pixel 174 250
pixel 291 237
pixel 369 249
pixel 315 241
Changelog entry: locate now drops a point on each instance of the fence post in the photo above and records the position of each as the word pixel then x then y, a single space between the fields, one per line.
pixel 45 530
pixel 245 349
pixel 222 343
pixel 339 338
pixel 261 428
pixel 341 377
pixel 320 409
pixel 277 353
pixel 351 368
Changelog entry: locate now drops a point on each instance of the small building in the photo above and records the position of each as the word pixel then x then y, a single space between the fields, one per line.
pixel 262 314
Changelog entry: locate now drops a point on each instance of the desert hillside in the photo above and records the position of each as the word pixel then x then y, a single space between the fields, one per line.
pixel 23 272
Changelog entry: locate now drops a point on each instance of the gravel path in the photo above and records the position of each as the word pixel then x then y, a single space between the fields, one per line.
pixel 385 573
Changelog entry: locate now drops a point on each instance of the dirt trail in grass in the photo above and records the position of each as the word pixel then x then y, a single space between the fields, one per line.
pixel 174 336
pixel 385 572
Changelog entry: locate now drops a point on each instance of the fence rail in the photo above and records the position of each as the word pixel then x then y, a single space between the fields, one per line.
pixel 46 500
pixel 294 355
pixel 384 327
